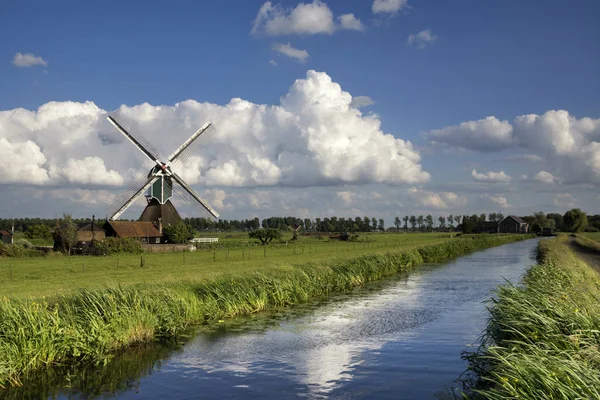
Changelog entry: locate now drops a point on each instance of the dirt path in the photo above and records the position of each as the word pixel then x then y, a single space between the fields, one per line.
pixel 592 258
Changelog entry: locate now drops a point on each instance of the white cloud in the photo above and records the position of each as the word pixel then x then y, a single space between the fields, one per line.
pixel 305 19
pixel 565 200
pixel 488 134
pixel 422 39
pixel 22 163
pixel 361 101
pixel 313 137
pixel 350 22
pixel 569 145
pixel 289 51
pixel 79 196
pixel 273 63
pixel 388 6
pixel 491 176
pixel 346 196
pixel 547 178
pixel 28 60
pixel 440 201
pixel 499 201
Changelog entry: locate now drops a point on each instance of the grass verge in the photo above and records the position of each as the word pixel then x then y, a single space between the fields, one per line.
pixel 587 243
pixel 542 338
pixel 91 325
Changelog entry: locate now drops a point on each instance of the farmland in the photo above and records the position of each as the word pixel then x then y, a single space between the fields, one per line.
pixel 234 254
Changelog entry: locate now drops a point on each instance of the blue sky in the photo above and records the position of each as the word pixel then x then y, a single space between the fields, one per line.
pixel 495 58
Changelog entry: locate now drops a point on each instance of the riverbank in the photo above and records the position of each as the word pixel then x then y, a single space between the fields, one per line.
pixel 542 338
pixel 90 325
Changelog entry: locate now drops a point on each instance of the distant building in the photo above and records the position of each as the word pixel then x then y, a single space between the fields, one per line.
pixel 486 227
pixel 513 224
pixel 547 232
pixel 5 237
pixel 146 232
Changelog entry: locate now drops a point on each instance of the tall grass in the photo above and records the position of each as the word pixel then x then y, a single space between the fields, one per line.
pixel 587 243
pixel 542 340
pixel 91 325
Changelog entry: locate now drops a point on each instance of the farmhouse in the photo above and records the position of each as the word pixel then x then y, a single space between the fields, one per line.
pixel 486 227
pixel 513 224
pixel 5 237
pixel 146 232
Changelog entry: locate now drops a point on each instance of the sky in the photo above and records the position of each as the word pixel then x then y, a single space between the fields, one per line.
pixel 323 108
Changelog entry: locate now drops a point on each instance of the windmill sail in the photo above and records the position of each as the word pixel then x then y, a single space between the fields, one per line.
pixel 179 156
pixel 195 196
pixel 130 133
pixel 128 197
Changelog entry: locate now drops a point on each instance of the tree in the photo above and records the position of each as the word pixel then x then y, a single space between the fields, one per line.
pixel 374 223
pixel 468 223
pixel 405 219
pixel 65 234
pixel 482 217
pixel 442 221
pixel 413 222
pixel 429 222
pixel 575 220
pixel 397 223
pixel 39 231
pixel 180 233
pixel 451 221
pixel 265 235
pixel 558 220
pixel 457 219
pixel 381 224
pixel 420 221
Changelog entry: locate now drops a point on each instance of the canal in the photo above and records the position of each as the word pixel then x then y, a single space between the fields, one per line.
pixel 400 338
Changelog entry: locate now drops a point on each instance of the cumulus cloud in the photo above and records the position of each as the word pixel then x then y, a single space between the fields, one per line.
pixel 491 176
pixel 565 200
pixel 496 200
pixel 388 6
pixel 361 101
pixel 547 178
pixel 487 135
pixel 273 63
pixel 305 19
pixel 28 60
pixel 289 51
pixel 422 39
pixel 570 145
pixel 350 22
pixel 314 137
pixel 440 201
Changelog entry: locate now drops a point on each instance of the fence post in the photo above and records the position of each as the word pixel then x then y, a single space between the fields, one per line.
pixel 214 256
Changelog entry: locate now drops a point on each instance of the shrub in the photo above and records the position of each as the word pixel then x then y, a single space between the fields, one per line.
pixel 111 245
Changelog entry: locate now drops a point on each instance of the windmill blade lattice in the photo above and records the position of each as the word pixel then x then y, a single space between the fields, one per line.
pixel 178 160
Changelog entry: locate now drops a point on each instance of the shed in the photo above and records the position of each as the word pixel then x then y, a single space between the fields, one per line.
pixel 513 224
pixel 5 237
pixel 146 232
pixel 486 227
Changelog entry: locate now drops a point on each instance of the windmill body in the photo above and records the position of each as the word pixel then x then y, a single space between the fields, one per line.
pixel 162 182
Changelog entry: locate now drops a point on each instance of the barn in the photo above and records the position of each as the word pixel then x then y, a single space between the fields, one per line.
pixel 5 237
pixel 513 224
pixel 146 232
pixel 89 232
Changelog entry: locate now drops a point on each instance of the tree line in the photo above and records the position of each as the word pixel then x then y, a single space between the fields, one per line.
pixel 409 223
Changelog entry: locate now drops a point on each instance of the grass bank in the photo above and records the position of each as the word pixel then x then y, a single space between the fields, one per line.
pixel 587 243
pixel 91 325
pixel 542 340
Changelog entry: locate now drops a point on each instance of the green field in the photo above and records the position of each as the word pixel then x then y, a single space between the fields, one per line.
pixel 593 235
pixel 235 254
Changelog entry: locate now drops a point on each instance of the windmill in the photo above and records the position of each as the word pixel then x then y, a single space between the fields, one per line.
pixel 161 181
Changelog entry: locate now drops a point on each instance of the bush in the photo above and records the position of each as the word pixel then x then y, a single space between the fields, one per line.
pixel 18 250
pixel 111 245
pixel 180 233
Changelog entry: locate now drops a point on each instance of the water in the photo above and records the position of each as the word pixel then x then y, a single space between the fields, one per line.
pixel 399 339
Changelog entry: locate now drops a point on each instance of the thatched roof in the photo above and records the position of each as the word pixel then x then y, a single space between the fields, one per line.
pixel 137 229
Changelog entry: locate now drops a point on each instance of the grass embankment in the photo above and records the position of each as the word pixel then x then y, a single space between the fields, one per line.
pixel 55 274
pixel 588 242
pixel 542 338
pixel 89 325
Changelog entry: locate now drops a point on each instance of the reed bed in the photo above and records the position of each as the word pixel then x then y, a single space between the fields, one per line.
pixel 542 340
pixel 91 326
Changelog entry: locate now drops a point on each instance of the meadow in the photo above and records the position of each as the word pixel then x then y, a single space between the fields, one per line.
pixel 543 337
pixel 234 254
pixel 162 301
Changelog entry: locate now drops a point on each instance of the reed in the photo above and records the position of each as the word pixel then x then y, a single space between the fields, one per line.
pixel 542 339
pixel 92 325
